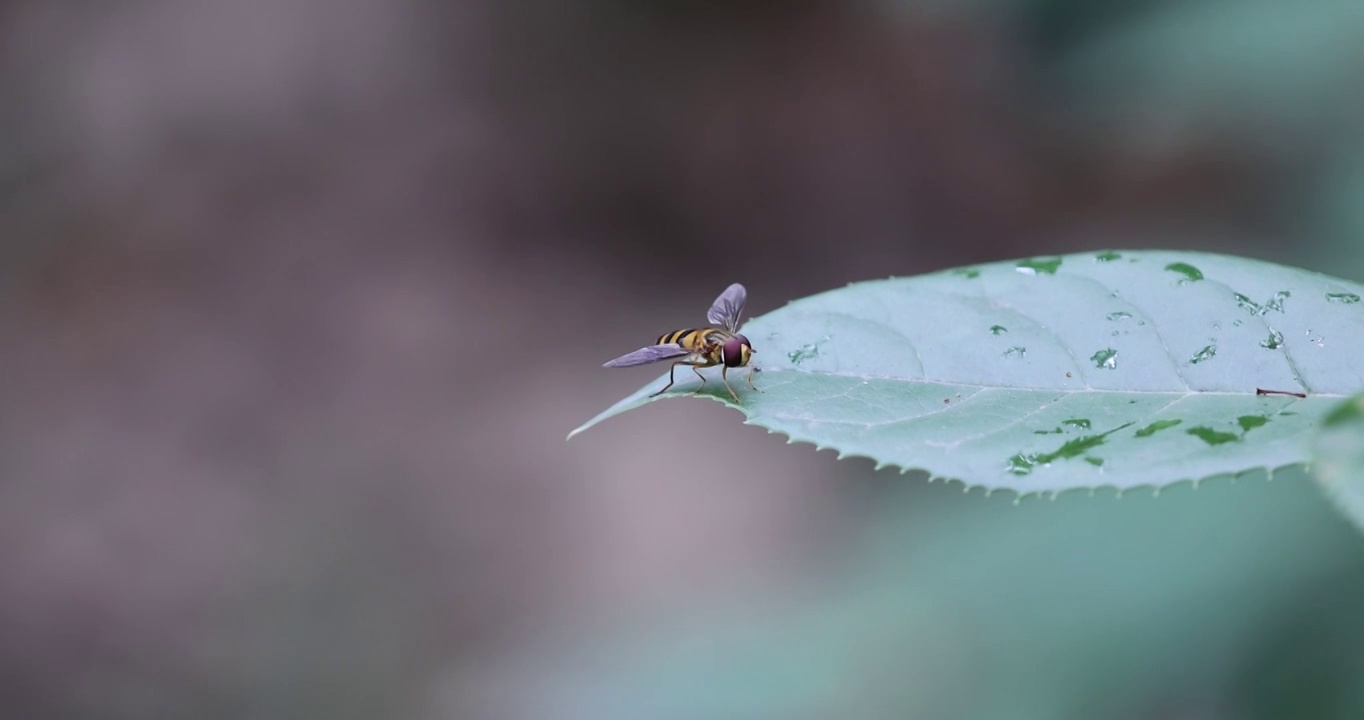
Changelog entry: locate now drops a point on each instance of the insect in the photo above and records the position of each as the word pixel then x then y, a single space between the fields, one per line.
pixel 702 347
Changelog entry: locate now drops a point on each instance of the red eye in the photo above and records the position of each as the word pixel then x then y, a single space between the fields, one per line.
pixel 733 353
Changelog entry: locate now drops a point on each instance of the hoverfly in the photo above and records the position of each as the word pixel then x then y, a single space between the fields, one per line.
pixel 702 347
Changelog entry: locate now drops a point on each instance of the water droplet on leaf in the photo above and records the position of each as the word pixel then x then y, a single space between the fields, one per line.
pixel 1276 303
pixel 1021 464
pixel 1035 266
pixel 1210 436
pixel 1024 463
pixel 1156 427
pixel 806 351
pixel 1190 273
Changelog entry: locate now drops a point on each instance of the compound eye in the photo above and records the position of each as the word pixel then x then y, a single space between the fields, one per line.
pixel 733 351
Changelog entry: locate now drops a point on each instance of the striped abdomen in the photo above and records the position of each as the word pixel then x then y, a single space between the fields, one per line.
pixel 694 339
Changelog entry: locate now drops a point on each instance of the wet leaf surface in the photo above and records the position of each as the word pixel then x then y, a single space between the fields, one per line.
pixel 921 373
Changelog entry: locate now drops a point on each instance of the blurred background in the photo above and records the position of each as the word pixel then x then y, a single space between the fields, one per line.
pixel 299 299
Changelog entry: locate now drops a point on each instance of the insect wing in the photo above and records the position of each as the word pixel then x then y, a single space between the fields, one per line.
pixel 728 307
pixel 650 354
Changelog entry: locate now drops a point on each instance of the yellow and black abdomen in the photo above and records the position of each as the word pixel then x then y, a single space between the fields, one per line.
pixel 692 338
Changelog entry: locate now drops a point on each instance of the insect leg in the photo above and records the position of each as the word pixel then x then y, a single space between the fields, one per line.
pixel 671 370
pixel 696 369
pixel 724 371
pixel 751 370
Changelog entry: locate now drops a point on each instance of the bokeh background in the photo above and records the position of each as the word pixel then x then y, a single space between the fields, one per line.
pixel 299 298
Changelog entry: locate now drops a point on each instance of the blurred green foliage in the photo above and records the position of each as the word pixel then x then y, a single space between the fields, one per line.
pixel 1233 600
pixel 1339 458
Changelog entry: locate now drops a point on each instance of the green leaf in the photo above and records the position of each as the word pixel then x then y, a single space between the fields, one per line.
pixel 970 373
pixel 1338 460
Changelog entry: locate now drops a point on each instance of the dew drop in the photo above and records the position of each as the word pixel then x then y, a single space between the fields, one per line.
pixel 1106 359
pixel 1107 256
pixel 1247 304
pixel 1343 298
pixel 1035 266
pixel 1276 304
pixel 1210 436
pixel 1015 352
pixel 1156 427
pixel 1273 342
pixel 807 351
pixel 1206 353
pixel 1021 464
pixel 1119 315
pixel 1190 273
pixel 998 329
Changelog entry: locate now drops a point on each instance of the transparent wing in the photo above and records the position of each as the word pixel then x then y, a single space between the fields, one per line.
pixel 646 355
pixel 728 307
